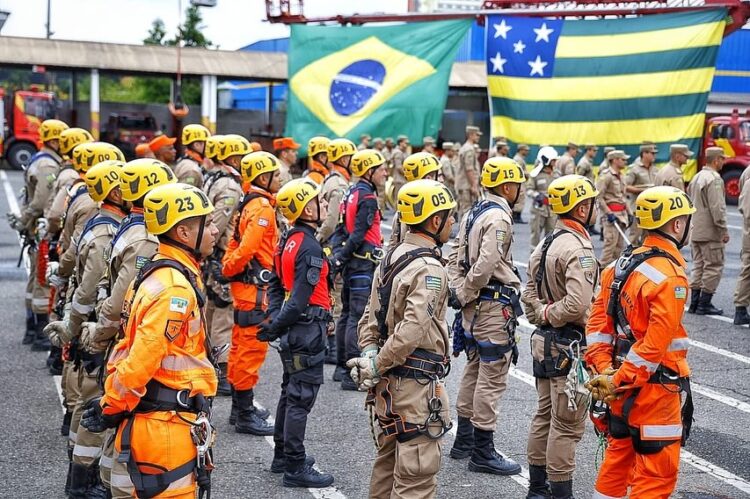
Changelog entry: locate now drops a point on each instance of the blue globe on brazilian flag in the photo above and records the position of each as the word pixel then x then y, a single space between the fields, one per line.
pixel 385 80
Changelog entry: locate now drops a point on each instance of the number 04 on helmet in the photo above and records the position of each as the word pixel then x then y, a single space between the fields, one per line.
pixel 294 196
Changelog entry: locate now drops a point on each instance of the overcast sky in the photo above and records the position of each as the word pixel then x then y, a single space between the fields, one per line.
pixel 231 24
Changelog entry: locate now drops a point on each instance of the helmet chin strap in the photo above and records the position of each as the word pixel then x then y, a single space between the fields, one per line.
pixel 683 240
pixel 317 222
pixel 194 251
pixel 436 235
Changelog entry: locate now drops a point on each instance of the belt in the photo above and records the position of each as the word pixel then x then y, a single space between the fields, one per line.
pixel 316 313
pixel 371 253
pixel 616 206
pixel 497 292
pixel 296 362
pixel 422 364
pixel 159 397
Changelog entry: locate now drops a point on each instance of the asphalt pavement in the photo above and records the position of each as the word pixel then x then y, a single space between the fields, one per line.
pixel 715 463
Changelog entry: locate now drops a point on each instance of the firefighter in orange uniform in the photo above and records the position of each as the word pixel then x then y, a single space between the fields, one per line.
pixel 317 155
pixel 161 376
pixel 247 263
pixel 644 368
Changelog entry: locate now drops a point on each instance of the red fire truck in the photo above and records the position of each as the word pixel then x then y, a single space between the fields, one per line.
pixel 21 113
pixel 731 133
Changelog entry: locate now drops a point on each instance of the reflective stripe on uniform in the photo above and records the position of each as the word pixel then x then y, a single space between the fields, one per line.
pixel 122 390
pixel 72 437
pixel 40 302
pixel 120 245
pixel 83 451
pixel 652 273
pixel 121 481
pixel 81 308
pixel 661 431
pixel 678 344
pixel 184 363
pixel 105 461
pixel 599 495
pixel 108 323
pixel 639 361
pixel 598 337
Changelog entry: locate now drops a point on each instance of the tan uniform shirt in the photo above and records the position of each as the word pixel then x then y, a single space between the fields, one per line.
pixel 539 185
pixel 415 319
pixel 397 159
pixel 671 174
pixel 55 209
pixel 489 250
pixel 285 172
pixel 446 168
pixel 639 176
pixel 566 165
pixel 603 166
pixel 40 179
pixel 706 190
pixel 189 171
pixel 77 214
pixel 521 161
pixel 571 271
pixel 744 208
pixel 468 162
pixel 585 167
pixel 334 188
pixel 225 193
pixel 611 189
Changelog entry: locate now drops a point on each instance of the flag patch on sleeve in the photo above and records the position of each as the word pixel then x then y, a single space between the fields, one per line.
pixel 178 305
pixel 680 292
pixel 433 282
pixel 587 262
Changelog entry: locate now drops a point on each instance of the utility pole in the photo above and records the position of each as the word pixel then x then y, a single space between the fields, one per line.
pixel 49 31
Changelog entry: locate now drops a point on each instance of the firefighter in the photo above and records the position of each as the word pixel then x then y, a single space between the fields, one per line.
pixel 613 206
pixel 640 176
pixel 189 168
pixel 39 179
pixel 420 165
pixel 742 288
pixel 446 166
pixel 486 290
pixel 566 165
pixel 163 149
pixel 671 173
pixel 468 171
pixel 542 220
pixel 224 189
pixel 562 275
pixel 709 234
pixel 643 368
pixel 585 165
pixel 317 157
pixel 335 185
pixel 160 375
pixel 286 149
pixel 299 313
pixel 405 347
pixel 212 148
pixel 131 248
pixel 103 185
pixel 247 263
pixel 357 249
pixel 397 162
pixel 522 153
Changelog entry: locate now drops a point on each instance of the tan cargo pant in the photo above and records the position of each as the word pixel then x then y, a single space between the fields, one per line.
pixel 484 381
pixel 555 430
pixel 406 470
pixel 465 200
pixel 220 322
pixel 613 243
pixel 72 400
pixel 39 297
pixel 541 225
pixel 708 263
pixel 521 201
pixel 742 291
pixel 88 446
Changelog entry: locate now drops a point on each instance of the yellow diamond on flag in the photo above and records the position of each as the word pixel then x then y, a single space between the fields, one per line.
pixel 345 87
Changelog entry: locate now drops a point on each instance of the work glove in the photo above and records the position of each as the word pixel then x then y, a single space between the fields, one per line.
pixel 266 331
pixel 58 332
pixel 89 341
pixel 611 218
pixel 602 388
pixel 453 301
pixel 363 372
pixel 14 221
pixel 42 226
pixel 52 268
pixel 539 200
pixel 94 419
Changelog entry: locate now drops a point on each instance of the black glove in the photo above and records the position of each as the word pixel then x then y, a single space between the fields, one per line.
pixel 266 331
pixel 95 421
pixel 611 218
pixel 453 301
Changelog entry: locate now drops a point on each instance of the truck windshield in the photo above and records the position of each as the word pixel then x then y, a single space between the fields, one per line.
pixel 745 131
pixel 42 108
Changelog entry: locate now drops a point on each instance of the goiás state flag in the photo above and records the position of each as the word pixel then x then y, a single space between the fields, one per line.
pixel 384 80
pixel 613 82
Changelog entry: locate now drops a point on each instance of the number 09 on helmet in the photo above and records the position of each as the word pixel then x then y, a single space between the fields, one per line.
pixel 420 199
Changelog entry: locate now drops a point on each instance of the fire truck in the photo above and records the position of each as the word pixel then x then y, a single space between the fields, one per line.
pixel 731 133
pixel 21 113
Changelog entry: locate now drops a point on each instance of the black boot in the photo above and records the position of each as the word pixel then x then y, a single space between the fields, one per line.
pixel 517 217
pixel 65 426
pixel 70 471
pixel 538 485
pixel 41 341
pixel 331 351
pixel 55 362
pixel 96 489
pixel 705 307
pixel 562 490
pixel 278 465
pixel 485 459
pixel 223 387
pixel 308 477
pixel 740 316
pixel 235 407
pixel 464 442
pixel 339 373
pixel 348 384
pixel 79 481
pixel 593 230
pixel 248 420
pixel 695 297
pixel 28 336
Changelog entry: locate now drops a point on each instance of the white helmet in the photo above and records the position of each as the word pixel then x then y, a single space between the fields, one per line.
pixel 545 155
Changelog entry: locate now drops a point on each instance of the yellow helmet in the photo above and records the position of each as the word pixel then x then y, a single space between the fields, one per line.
pixel 194 133
pixel 497 171
pixel 294 196
pixel 212 146
pixel 168 204
pixel 365 160
pixel 257 163
pixel 72 137
pixel 566 192
pixel 419 164
pixel 51 130
pixel 656 206
pixel 102 178
pixel 317 145
pixel 140 176
pixel 232 145
pixel 338 148
pixel 420 199
pixel 89 154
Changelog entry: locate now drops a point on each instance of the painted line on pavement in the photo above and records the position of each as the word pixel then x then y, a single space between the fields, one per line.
pixel 712 394
pixel 57 380
pixel 735 227
pixel 16 210
pixel 739 215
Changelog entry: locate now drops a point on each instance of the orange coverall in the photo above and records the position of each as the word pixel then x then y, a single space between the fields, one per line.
pixel 653 300
pixel 256 228
pixel 317 171
pixel 165 341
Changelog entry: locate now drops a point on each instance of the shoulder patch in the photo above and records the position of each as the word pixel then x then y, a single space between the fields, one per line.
pixel 433 282
pixel 680 292
pixel 313 276
pixel 589 276
pixel 263 222
pixel 500 235
pixel 587 262
pixel 173 329
pixel 189 180
pixel 229 201
pixel 140 261
pixel 316 262
pixel 178 305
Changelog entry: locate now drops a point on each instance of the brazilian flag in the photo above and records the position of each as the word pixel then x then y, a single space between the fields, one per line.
pixel 385 80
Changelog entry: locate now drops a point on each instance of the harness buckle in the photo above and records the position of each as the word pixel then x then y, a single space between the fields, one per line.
pixel 186 394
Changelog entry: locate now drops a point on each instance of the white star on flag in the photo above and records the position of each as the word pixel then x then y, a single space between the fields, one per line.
pixel 498 63
pixel 537 66
pixel 519 47
pixel 502 29
pixel 541 33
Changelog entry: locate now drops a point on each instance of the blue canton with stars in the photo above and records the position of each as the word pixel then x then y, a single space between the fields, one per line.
pixel 522 46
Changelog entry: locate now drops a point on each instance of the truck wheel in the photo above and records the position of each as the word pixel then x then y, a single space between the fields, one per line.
pixel 19 154
pixel 731 178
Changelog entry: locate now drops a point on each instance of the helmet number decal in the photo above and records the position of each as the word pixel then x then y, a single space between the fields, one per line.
pixel 184 204
pixel 675 203
pixel 151 179
pixel 509 174
pixel 580 190
pixel 439 199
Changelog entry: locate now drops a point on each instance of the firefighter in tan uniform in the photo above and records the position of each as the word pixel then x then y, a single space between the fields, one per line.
pixel 487 289
pixel 709 233
pixel 189 168
pixel 742 289
pixel 566 165
pixel 521 153
pixel 420 165
pixel 671 173
pixel 562 275
pixel 613 206
pixel 405 348
pixel 585 166
pixel 224 189
pixel 446 167
pixel 542 219
pixel 640 176
pixel 397 163
pixel 103 185
pixel 467 174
